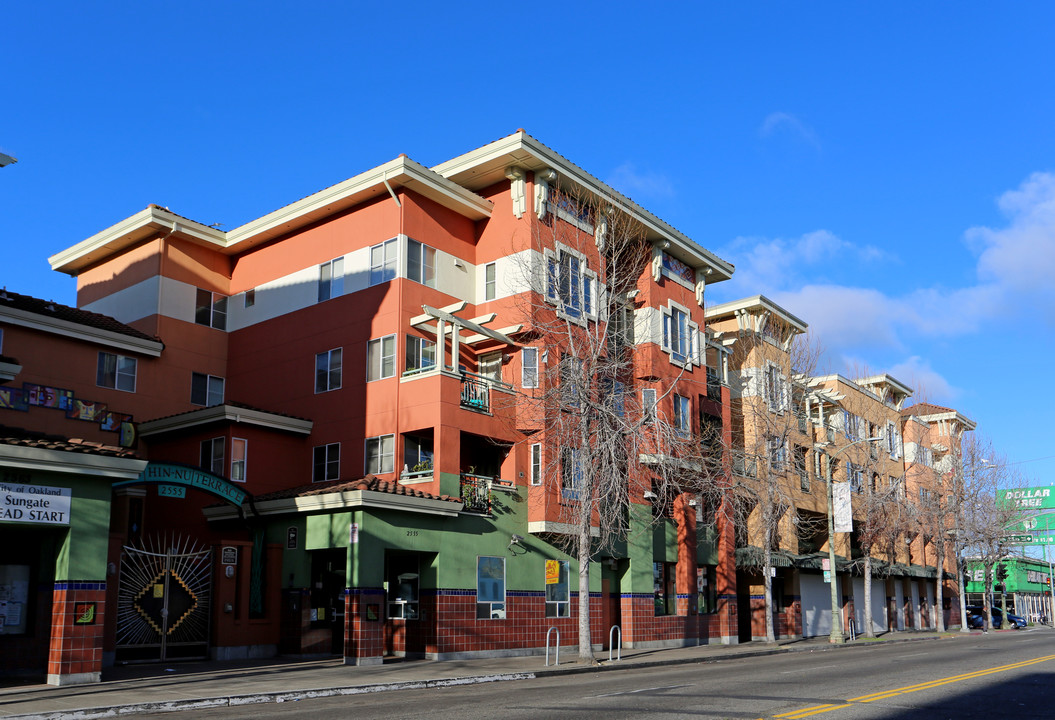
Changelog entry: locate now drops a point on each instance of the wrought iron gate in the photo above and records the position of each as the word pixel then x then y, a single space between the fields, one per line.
pixel 163 601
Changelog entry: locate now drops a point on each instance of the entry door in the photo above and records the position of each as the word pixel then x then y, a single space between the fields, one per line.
pixel 327 595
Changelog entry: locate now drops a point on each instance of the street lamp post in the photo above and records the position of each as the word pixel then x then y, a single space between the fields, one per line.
pixel 836 637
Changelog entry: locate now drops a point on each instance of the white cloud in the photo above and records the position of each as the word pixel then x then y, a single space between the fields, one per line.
pixel 785 123
pixel 628 180
pixel 927 383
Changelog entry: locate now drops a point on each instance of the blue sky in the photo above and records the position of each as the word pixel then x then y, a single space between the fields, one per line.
pixel 885 171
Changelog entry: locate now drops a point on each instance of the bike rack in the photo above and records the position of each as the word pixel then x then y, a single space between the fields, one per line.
pixel 852 627
pixel 556 655
pixel 619 648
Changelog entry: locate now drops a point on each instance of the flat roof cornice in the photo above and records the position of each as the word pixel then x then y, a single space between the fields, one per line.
pixel 225 413
pixel 486 166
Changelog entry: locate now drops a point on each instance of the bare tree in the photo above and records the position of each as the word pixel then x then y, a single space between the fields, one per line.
pixel 608 448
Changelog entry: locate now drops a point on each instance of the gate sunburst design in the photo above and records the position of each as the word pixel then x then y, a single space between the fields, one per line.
pixel 163 600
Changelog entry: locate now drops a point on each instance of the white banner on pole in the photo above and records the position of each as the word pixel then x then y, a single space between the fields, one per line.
pixel 844 521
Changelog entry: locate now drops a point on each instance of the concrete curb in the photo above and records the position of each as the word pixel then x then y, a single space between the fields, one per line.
pixel 296 695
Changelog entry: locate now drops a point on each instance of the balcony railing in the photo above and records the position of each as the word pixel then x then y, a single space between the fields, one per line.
pixel 476 493
pixel 476 393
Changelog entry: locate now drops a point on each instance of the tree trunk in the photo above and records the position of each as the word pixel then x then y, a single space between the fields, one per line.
pixel 939 597
pixel 869 628
pixel 585 644
pixel 767 583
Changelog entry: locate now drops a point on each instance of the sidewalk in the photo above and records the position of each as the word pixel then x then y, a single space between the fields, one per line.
pixel 199 685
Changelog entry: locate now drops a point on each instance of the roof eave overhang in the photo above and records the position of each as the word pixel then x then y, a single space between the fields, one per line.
pixel 486 166
pixel 225 413
pixel 340 501
pixel 71 462
pixel 144 225
pixel 756 302
pixel 79 331
pixel 9 371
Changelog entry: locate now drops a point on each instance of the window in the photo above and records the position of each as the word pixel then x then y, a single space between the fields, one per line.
pixel 897 486
pixel 893 441
pixel 777 453
pixel 706 589
pixel 250 298
pixel 380 454
pixel 210 309
pixel 489 281
pixel 403 576
pixel 381 358
pixel 536 463
pixel 417 455
pixel 211 459
pixel 383 261
pixel 925 456
pixel 239 448
pixel 421 263
pixel 490 588
pixel 856 476
pixel 569 285
pixel 557 596
pixel 331 279
pixel 680 336
pixel 665 588
pixel 776 389
pixel 529 367
pixel 800 468
pixel 571 473
pixel 206 389
pixel 648 404
pixel 570 378
pixel 490 366
pixel 328 370
pixel 421 353
pixel 326 462
pixel 682 415
pixel 116 371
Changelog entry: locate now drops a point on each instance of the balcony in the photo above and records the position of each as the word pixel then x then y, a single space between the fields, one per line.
pixel 476 493
pixel 714 385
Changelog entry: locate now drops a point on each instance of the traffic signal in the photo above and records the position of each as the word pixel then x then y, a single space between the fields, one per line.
pixel 1001 572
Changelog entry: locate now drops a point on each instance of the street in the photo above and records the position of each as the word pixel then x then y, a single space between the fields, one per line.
pixel 992 676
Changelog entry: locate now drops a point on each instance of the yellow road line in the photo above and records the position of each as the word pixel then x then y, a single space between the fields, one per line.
pixel 818 709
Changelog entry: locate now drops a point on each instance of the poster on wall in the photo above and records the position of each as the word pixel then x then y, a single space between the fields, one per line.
pixel 46 396
pixel 844 521
pixel 88 410
pixel 13 399
pixel 14 597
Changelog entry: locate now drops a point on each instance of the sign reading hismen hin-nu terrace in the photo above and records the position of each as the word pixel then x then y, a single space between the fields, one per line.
pixel 1032 498
pixel 164 473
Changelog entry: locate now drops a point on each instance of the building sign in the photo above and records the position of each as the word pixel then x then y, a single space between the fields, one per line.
pixel 1033 576
pixel 291 538
pixel 844 521
pixel 169 474
pixel 35 504
pixel 1031 498
pixel 229 555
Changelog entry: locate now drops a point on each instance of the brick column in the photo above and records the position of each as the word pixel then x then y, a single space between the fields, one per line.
pixel 75 654
pixel 364 625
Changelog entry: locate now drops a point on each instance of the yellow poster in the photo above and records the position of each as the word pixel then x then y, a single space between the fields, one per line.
pixel 552 572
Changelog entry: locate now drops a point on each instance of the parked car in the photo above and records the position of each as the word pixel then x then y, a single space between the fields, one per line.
pixel 976 618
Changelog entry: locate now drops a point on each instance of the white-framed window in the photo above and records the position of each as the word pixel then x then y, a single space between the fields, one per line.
pixel 529 367
pixel 856 476
pixel 681 336
pixel 381 358
pixel 776 389
pixel 570 283
pixel 853 426
pixel 648 404
pixel 421 263
pixel 894 442
pixel 490 588
pixel 536 463
pixel 421 353
pixel 210 309
pixel 206 389
pixel 383 257
pixel 490 366
pixel 897 486
pixel 116 371
pixel 778 452
pixel 239 453
pixel 331 279
pixel 249 299
pixel 557 589
pixel 682 414
pixel 417 454
pixel 490 281
pixel 572 473
pixel 326 462
pixel 925 456
pixel 328 370
pixel 211 459
pixel 380 454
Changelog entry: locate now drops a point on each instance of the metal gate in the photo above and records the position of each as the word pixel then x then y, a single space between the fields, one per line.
pixel 163 601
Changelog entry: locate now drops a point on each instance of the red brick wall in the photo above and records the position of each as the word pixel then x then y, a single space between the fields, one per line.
pixel 76 649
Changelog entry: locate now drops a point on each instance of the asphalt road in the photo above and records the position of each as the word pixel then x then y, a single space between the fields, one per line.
pixel 1000 675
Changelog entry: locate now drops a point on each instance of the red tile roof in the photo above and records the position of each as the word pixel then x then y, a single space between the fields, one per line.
pixel 922 409
pixel 366 483
pixel 47 308
pixel 29 438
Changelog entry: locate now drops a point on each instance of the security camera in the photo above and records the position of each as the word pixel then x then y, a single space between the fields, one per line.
pixel 515 539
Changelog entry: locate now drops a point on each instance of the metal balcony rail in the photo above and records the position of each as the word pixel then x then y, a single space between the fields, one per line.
pixel 476 493
pixel 476 393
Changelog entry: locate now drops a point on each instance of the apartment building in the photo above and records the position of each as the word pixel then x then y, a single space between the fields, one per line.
pixel 341 416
